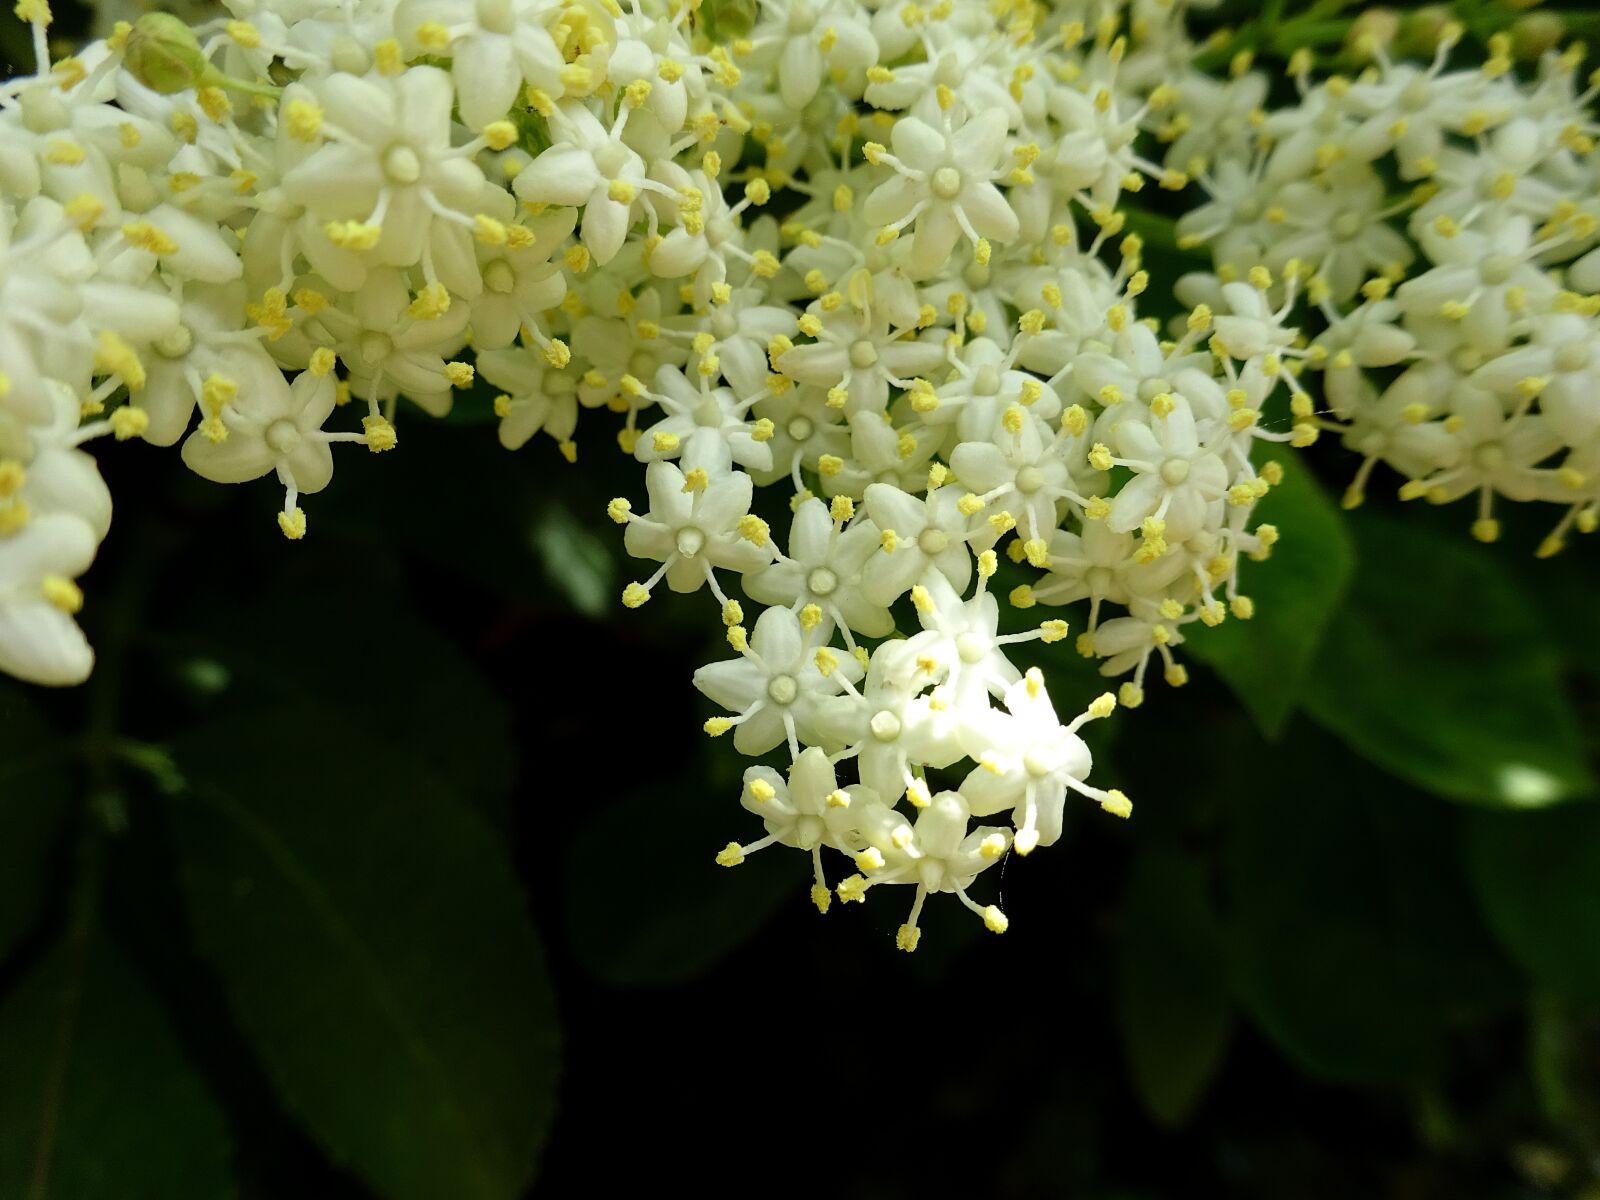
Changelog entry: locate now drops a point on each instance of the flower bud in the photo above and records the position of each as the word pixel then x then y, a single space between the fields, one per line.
pixel 163 54
pixel 1533 34
pixel 725 20
pixel 1377 27
pixel 1420 30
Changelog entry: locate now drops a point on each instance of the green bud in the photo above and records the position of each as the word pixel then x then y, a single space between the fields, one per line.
pixel 1536 32
pixel 163 54
pixel 1377 27
pixel 1420 29
pixel 725 20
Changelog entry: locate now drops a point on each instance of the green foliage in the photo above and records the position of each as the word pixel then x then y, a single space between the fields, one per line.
pixel 1537 876
pixel 35 808
pixel 1268 660
pixel 424 1056
pixel 680 913
pixel 99 1101
pixel 1174 1006
pixel 1439 672
pixel 1354 936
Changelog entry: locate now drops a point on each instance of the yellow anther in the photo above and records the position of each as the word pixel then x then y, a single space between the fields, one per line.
pixel 753 529
pixel 293 524
pixel 459 374
pixel 60 592
pixel 147 237
pixel 128 421
pixel 303 120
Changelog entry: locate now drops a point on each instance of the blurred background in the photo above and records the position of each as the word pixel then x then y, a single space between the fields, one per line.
pixel 381 866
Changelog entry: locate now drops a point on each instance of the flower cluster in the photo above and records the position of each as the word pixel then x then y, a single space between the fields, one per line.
pixel 1442 226
pixel 868 256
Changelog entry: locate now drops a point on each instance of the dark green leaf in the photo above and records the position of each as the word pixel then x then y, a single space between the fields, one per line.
pixel 386 671
pixel 1173 1004
pixel 1537 875
pixel 98 1101
pixel 1355 936
pixel 1437 672
pixel 578 561
pixel 374 946
pixel 1266 660
pixel 662 840
pixel 36 802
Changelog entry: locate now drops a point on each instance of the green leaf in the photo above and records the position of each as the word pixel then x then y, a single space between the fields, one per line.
pixel 1355 938
pixel 1173 1004
pixel 375 949
pixel 98 1099
pixel 36 805
pixel 1537 875
pixel 387 672
pixel 1297 592
pixel 578 563
pixel 1439 673
pixel 661 841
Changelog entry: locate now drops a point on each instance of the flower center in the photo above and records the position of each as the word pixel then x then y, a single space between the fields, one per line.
pixel 1029 480
pixel 885 726
pixel 690 541
pixel 782 689
pixel 401 164
pixel 498 277
pixel 282 436
pixel 1149 389
pixel 375 346
pixel 1496 269
pixel 1174 471
pixel 1036 764
pixel 708 413
pixel 863 354
pixel 822 582
pixel 986 382
pixel 946 183
pixel 1346 225
pixel 933 541
pixel 1489 457
pixel 176 343
pixel 972 647
pixel 800 428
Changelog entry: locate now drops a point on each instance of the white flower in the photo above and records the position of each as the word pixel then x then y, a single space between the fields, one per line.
pixel 386 169
pixel 776 687
pixel 824 567
pixel 943 185
pixel 39 640
pixel 1030 762
pixel 1178 478
pixel 692 530
pixel 262 424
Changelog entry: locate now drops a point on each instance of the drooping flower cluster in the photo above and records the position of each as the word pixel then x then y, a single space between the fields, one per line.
pixel 867 256
pixel 1442 225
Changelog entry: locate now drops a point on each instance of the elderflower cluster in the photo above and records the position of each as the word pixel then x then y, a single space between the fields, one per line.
pixel 869 256
pixel 1442 226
